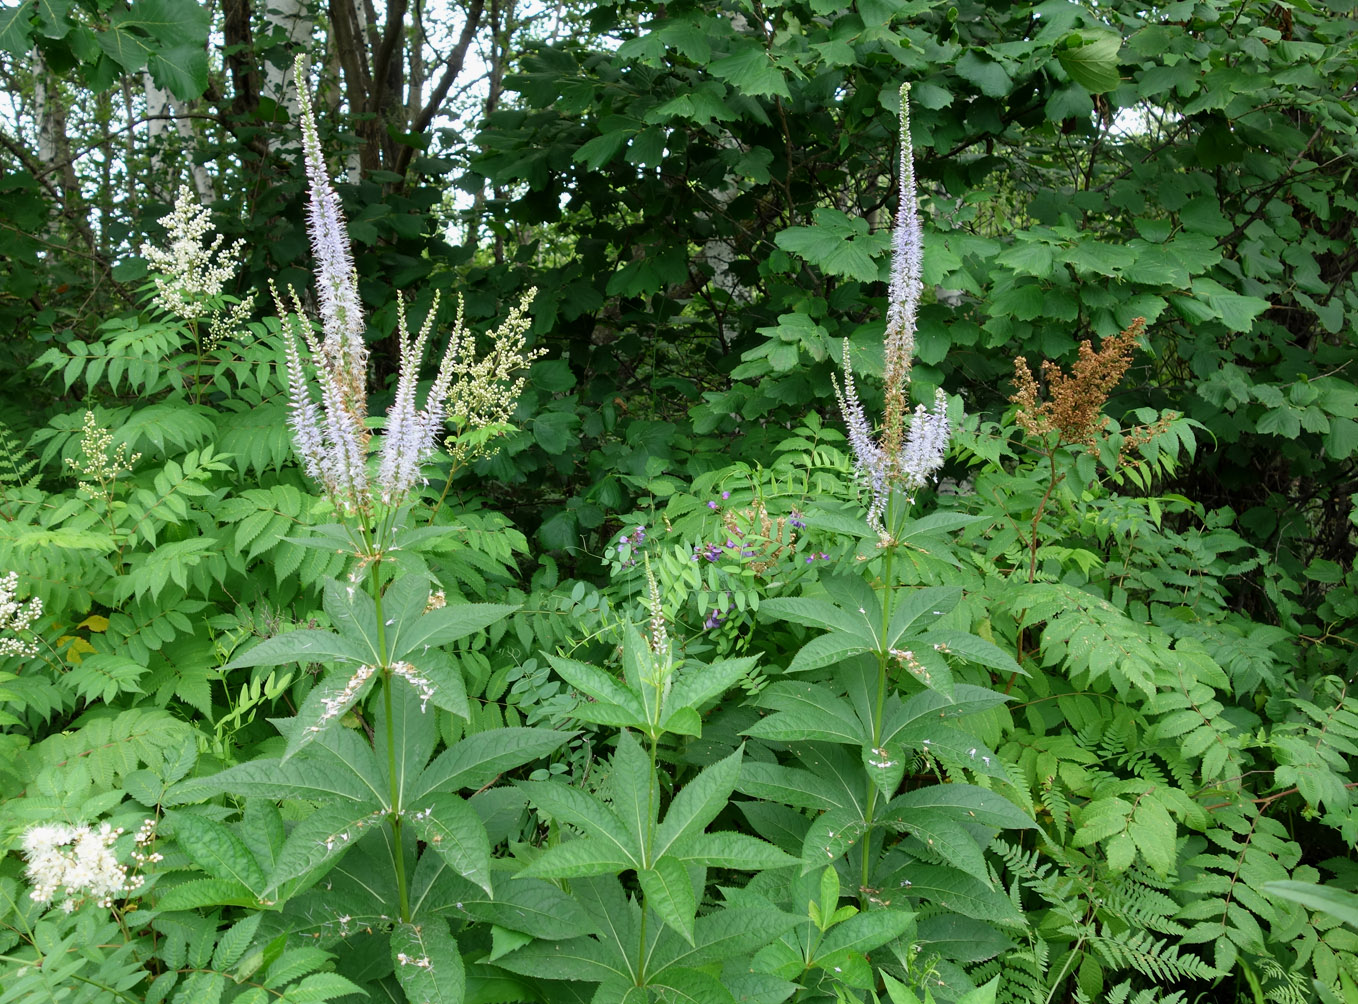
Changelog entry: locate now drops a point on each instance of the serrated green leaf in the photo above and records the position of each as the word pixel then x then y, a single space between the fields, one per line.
pixel 454 831
pixel 731 850
pixel 428 963
pixel 1090 57
pixel 669 892
pixel 216 850
pixel 699 802
pixel 448 624
pixel 477 760
pixel 304 646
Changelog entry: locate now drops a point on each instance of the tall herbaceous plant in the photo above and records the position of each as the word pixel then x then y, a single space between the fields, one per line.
pixel 386 623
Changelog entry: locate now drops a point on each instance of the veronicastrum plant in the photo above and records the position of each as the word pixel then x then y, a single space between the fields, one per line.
pixel 373 790
pixel 832 762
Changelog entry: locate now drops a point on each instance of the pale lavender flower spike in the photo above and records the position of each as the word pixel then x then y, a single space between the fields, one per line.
pixel 332 437
pixel 336 278
pixel 912 447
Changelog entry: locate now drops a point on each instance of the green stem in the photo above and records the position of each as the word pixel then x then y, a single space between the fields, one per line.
pixel 384 664
pixel 883 656
pixel 646 860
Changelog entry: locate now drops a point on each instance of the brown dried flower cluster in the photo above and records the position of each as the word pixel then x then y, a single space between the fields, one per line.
pixel 758 532
pixel 1076 400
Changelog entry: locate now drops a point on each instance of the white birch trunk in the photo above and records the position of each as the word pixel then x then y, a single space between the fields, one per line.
pixel 296 20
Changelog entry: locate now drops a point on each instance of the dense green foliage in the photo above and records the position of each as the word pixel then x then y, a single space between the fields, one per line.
pixel 1076 727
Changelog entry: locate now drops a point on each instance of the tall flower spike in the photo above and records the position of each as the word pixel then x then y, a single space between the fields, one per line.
pixel 911 447
pixel 336 279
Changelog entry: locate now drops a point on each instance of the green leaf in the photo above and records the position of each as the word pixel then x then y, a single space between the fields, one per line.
pixel 448 624
pixel 305 646
pixel 428 964
pixel 749 70
pixel 731 850
pixel 455 832
pixel 669 892
pixel 699 802
pixel 477 760
pixel 1090 57
pixel 989 76
pixel 930 602
pixel 317 843
pixel 181 70
pixel 967 803
pixel 580 858
pixel 1338 903
pixel 826 650
pixel 199 893
pixel 837 243
pixel 955 891
pixel 972 649
pixel 599 685
pixel 697 684
pixel 1153 831
pixel 15 31
pixel 865 932
pixel 584 812
pixel 598 151
pixel 305 778
pixel 218 851
pixel 819 613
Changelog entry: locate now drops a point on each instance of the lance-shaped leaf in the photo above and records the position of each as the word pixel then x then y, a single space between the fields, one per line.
pixel 218 851
pixel 699 802
pixel 724 934
pixel 354 615
pixel 967 803
pixel 612 703
pixel 305 646
pixel 818 613
pixel 786 785
pixel 826 650
pixel 916 605
pixel 698 684
pixel 580 857
pixel 477 760
pixel 669 892
pixel 428 964
pixel 633 790
pixel 862 933
pixel 953 890
pixel 586 813
pixel 944 836
pixel 971 648
pixel 455 832
pixel 317 843
pixel 199 893
pixel 448 624
pixel 305 779
pixel 325 706
pixel 724 849
pixel 808 711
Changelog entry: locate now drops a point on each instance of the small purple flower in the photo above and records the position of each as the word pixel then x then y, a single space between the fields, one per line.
pixel 713 621
pixel 712 505
pixel 796 520
pixel 639 534
pixel 725 495
pixel 731 543
pixel 709 551
pixel 747 554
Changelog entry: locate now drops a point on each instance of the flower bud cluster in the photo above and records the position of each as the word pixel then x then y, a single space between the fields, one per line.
pixel 15 616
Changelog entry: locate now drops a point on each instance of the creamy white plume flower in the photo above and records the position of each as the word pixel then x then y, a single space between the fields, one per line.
pixel 16 616
pixel 75 862
pixel 331 435
pixel 911 447
pixel 192 272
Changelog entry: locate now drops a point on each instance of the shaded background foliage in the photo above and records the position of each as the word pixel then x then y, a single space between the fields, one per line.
pixel 701 193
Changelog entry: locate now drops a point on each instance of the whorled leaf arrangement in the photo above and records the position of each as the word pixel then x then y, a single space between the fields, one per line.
pixel 909 452
pixel 332 437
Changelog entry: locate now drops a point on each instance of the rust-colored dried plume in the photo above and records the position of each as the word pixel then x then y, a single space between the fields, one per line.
pixel 1075 400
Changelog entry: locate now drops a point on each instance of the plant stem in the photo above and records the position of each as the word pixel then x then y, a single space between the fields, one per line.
pixel 883 656
pixel 384 664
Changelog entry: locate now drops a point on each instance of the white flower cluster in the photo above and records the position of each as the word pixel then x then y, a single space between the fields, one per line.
pixel 332 437
pixel 418 961
pixel 191 272
pixel 424 688
pixel 337 705
pixel 96 468
pixel 78 863
pixel 909 452
pixel 15 616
